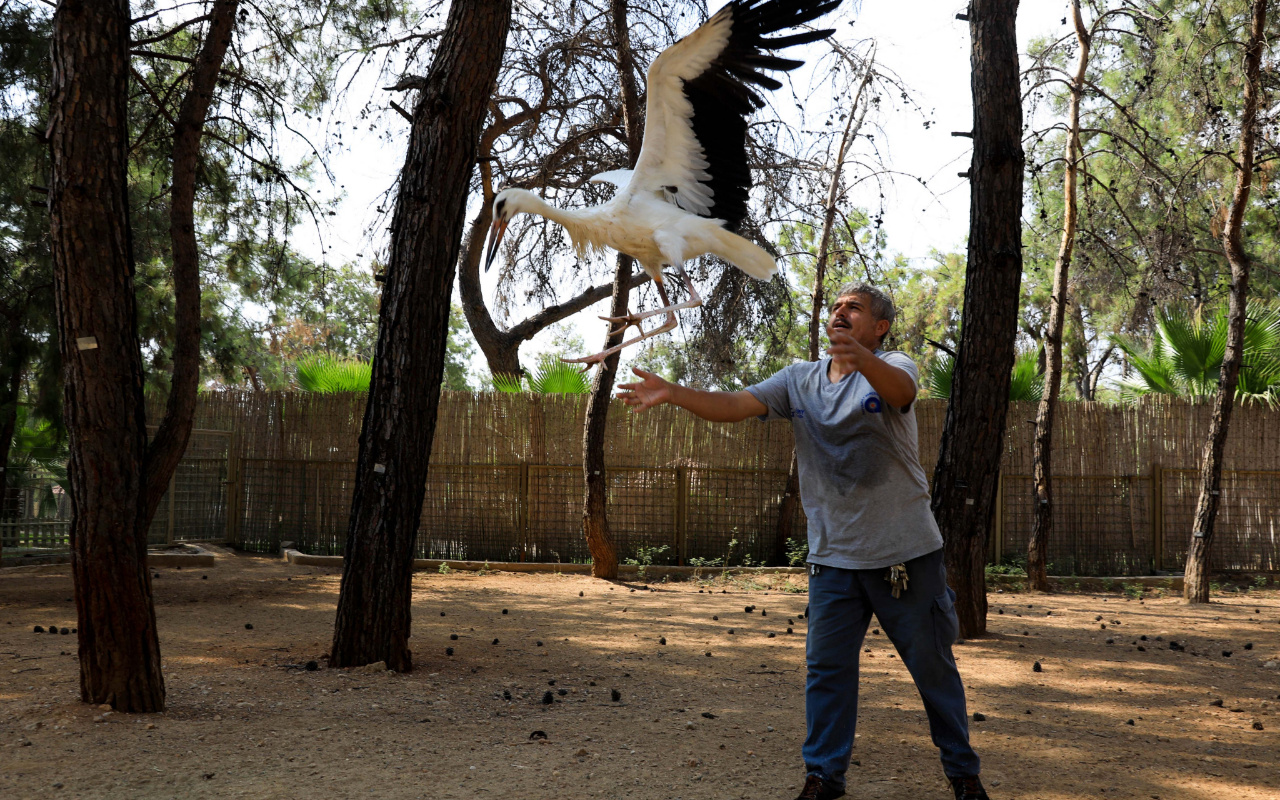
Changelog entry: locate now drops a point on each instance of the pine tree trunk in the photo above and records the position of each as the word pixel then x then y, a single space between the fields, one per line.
pixel 1196 578
pixel 968 468
pixel 171 437
pixel 784 531
pixel 373 618
pixel 15 364
pixel 102 365
pixel 595 518
pixel 1042 447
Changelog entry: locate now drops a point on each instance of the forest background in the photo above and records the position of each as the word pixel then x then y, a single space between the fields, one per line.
pixel 298 180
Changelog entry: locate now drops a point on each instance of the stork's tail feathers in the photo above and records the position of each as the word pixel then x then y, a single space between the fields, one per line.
pixel 747 256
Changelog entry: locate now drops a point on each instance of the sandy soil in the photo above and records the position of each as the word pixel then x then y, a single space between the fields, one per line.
pixel 709 714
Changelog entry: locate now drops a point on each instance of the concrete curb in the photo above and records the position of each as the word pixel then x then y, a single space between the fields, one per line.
pixel 629 570
pixel 1060 583
pixel 1056 583
pixel 193 556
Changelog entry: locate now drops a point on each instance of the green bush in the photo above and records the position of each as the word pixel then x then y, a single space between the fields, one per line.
pixel 797 551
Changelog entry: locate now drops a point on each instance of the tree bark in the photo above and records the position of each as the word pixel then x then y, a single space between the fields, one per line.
pixel 170 441
pixel 968 468
pixel 373 617
pixel 102 366
pixel 13 364
pixel 1041 451
pixel 595 518
pixel 1196 578
pixel 787 509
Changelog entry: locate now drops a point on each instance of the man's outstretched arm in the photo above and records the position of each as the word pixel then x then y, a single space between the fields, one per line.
pixel 653 390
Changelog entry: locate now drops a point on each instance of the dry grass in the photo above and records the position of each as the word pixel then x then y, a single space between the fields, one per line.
pixel 243 723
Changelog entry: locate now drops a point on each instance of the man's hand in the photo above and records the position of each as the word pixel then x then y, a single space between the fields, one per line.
pixel 847 353
pixel 894 385
pixel 651 391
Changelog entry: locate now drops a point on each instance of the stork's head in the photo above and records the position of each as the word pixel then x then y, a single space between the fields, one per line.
pixel 506 205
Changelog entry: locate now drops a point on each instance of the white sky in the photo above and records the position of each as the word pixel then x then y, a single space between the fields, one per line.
pixel 920 40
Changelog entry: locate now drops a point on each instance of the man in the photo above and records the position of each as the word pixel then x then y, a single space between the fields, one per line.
pixel 874 546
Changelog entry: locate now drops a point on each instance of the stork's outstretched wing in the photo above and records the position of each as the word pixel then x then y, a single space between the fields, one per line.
pixel 699 97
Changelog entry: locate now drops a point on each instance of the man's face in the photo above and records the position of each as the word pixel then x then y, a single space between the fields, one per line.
pixel 852 315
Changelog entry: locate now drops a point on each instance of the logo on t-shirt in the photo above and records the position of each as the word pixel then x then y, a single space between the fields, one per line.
pixel 872 404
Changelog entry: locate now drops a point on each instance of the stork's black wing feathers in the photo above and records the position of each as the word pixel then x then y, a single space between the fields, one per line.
pixel 723 98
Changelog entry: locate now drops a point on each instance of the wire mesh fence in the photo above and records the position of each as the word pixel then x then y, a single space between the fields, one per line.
pixel 194 509
pixel 506 483
pixel 1246 529
pixel 1102 524
pixel 35 516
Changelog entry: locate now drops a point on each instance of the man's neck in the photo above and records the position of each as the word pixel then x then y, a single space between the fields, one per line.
pixel 835 374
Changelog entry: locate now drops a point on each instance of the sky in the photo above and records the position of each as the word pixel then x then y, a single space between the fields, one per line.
pixel 919 40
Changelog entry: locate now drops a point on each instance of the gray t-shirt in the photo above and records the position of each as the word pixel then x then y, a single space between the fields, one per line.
pixel 861 482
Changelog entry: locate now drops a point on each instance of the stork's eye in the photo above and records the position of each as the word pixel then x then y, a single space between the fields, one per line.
pixel 501 205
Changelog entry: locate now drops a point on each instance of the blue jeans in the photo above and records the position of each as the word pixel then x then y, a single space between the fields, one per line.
pixel 922 625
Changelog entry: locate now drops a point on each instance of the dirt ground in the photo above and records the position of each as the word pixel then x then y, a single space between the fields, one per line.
pixel 715 712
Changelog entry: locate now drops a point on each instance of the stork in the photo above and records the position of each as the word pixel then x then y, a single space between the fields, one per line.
pixel 688 191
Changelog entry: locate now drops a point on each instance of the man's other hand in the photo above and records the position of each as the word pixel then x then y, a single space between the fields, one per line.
pixel 651 390
pixel 848 354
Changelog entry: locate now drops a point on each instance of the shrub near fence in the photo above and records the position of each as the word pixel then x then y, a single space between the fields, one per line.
pixel 506 482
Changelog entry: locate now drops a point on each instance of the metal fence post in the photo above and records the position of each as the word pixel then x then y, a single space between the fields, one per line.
pixel 682 513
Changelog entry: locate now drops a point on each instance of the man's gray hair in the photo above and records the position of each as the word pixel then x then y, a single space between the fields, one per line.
pixel 881 305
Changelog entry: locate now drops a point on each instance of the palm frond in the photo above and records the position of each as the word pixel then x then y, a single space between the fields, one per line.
pixel 326 374
pixel 938 375
pixel 510 384
pixel 1185 356
pixel 1027 381
pixel 553 376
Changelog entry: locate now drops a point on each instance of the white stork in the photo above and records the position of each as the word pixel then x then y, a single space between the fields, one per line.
pixel 688 191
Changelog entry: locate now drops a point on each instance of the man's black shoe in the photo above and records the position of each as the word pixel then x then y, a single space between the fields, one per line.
pixel 817 789
pixel 968 788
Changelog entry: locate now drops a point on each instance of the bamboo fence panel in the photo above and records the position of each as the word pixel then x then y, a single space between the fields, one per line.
pixel 506 479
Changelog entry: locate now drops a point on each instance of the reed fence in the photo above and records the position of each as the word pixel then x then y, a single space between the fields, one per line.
pixel 506 482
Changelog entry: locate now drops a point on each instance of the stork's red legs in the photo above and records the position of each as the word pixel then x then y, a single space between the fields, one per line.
pixel 634 319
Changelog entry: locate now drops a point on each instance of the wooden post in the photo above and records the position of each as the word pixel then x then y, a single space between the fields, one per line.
pixel 317 517
pixel 1157 517
pixel 997 520
pixel 682 513
pixel 522 522
pixel 229 486
pixel 235 503
pixel 173 485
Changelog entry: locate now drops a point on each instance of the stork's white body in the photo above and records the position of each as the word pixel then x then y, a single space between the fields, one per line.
pixel 669 209
pixel 650 229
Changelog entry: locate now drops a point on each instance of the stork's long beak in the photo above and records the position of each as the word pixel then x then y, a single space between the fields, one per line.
pixel 495 238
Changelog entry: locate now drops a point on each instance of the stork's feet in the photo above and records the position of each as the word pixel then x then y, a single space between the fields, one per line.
pixel 625 322
pixel 595 358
